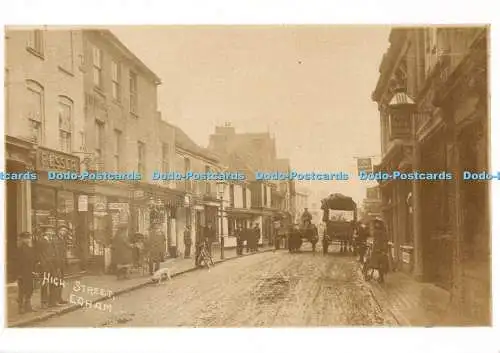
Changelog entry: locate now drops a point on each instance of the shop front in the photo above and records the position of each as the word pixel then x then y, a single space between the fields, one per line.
pixel 62 202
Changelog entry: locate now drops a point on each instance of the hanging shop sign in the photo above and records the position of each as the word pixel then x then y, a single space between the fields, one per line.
pixel 365 165
pixel 400 125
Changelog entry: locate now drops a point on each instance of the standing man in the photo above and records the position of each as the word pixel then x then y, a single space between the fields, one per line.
pixel 47 253
pixel 156 247
pixel 249 238
pixel 306 217
pixel 60 244
pixel 239 240
pixel 210 236
pixel 187 242
pixel 26 268
pixel 256 237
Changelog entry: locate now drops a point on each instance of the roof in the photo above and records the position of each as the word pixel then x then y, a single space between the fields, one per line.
pixel 107 34
pixel 396 39
pixel 183 141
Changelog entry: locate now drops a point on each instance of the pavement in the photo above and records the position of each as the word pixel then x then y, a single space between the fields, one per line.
pixel 99 288
pixel 414 303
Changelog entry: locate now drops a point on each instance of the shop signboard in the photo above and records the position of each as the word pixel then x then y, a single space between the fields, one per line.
pixel 51 160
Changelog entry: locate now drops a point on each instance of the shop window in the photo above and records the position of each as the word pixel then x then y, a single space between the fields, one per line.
pixel 66 215
pixel 44 207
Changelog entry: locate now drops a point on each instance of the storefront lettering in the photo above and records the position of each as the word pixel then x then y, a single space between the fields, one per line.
pixel 53 160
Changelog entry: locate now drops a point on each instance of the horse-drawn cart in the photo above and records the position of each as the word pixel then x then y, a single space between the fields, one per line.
pixel 339 226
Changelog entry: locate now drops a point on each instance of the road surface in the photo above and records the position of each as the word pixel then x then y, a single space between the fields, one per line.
pixel 265 290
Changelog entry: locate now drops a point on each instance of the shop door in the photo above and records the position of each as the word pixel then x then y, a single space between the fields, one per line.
pixel 12 230
pixel 438 242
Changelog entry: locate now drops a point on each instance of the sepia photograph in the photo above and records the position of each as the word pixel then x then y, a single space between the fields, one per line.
pixel 247 176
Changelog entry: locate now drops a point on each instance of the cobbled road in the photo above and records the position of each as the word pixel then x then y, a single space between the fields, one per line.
pixel 264 290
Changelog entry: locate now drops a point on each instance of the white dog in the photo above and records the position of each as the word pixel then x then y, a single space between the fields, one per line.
pixel 160 275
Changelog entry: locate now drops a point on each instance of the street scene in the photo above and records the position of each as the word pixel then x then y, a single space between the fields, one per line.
pixel 247 176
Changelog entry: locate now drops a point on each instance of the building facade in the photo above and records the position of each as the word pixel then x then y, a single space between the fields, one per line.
pixel 269 198
pixel 206 200
pixel 44 122
pixel 92 106
pixel 122 134
pixel 443 225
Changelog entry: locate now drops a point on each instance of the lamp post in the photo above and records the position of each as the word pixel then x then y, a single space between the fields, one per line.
pixel 220 191
pixel 404 106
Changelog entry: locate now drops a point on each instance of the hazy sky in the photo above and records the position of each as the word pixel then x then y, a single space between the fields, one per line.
pixel 309 85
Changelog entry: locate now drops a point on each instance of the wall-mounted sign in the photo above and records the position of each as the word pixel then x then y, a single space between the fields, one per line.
pixel 365 165
pixel 138 194
pixel 83 203
pixel 405 256
pixel 372 193
pixel 47 159
pixel 400 125
pixel 99 207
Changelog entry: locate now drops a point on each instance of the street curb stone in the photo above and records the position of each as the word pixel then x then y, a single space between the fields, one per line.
pixel 75 307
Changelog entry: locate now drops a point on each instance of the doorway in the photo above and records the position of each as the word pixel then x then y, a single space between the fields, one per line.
pixel 11 221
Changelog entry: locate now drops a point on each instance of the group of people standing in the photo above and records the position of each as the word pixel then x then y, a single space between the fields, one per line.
pixel 128 251
pixel 249 236
pixel 42 257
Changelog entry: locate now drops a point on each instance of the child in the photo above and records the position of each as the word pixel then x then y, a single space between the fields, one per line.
pixel 27 263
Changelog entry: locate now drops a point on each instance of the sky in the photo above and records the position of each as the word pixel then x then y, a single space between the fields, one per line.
pixel 310 86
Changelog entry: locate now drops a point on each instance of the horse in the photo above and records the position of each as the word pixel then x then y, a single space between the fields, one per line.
pixel 310 233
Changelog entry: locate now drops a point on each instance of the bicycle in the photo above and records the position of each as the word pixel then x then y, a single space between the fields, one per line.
pixel 204 256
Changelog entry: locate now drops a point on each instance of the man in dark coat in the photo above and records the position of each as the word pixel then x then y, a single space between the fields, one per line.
pixel 187 242
pixel 60 245
pixel 239 240
pixel 123 255
pixel 306 217
pixel 47 253
pixel 210 236
pixel 380 256
pixel 156 243
pixel 26 267
pixel 362 237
